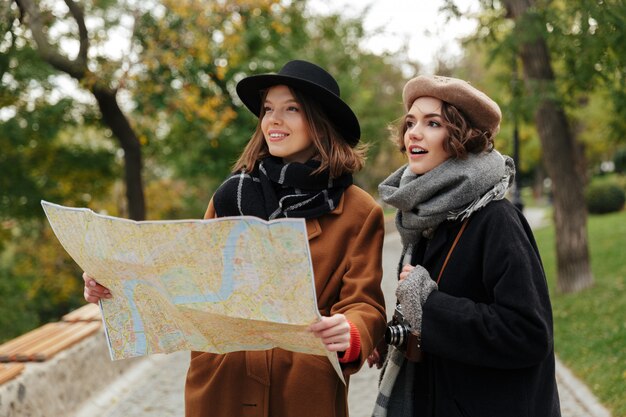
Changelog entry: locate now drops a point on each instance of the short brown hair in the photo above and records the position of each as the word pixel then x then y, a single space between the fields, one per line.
pixel 463 138
pixel 332 150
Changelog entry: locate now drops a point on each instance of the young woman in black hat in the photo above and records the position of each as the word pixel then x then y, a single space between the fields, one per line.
pixel 473 334
pixel 299 163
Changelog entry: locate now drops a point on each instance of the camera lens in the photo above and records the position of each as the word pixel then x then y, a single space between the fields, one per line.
pixel 396 335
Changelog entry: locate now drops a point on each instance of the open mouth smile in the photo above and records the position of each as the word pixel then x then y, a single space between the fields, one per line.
pixel 416 150
pixel 276 136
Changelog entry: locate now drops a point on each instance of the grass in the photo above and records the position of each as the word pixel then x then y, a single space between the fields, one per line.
pixel 590 326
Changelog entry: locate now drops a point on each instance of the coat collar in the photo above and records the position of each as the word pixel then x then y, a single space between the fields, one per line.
pixel 445 233
pixel 313 226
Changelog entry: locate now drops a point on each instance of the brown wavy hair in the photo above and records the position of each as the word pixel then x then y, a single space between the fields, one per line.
pixel 332 150
pixel 463 138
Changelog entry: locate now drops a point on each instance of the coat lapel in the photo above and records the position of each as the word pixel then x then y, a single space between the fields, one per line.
pixel 313 227
pixel 437 243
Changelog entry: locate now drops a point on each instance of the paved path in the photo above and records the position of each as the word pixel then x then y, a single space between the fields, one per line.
pixel 154 387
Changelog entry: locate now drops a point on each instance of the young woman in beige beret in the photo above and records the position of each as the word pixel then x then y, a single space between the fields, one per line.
pixel 299 163
pixel 476 334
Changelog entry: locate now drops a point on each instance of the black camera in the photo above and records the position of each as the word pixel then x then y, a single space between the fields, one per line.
pixel 399 334
pixel 398 330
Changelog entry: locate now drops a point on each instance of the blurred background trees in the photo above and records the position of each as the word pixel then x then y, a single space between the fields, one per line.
pixel 85 84
pixel 568 100
pixel 129 108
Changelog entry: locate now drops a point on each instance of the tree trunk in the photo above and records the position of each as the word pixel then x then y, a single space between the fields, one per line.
pixel 560 157
pixel 112 115
pixel 115 119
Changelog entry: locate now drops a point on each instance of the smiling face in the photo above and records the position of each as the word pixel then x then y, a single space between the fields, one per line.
pixel 284 126
pixel 425 135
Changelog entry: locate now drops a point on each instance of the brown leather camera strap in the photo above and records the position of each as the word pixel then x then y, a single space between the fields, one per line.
pixel 456 240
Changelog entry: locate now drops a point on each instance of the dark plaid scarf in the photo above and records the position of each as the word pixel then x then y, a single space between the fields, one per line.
pixel 275 189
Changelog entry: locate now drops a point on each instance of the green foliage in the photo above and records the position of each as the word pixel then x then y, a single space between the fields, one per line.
pixel 604 196
pixel 489 64
pixel 587 37
pixel 179 77
pixel 188 112
pixel 619 159
pixel 20 66
pixel 178 199
pixel 47 151
pixel 50 150
pixel 620 180
pixel 17 316
pixel 40 160
pixel 35 164
pixel 188 85
pixel 38 280
pixel 587 49
pixel 590 332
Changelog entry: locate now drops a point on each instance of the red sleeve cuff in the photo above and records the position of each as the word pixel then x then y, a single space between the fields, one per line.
pixel 353 352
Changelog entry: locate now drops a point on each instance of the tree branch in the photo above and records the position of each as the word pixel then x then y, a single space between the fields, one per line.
pixel 30 13
pixel 83 36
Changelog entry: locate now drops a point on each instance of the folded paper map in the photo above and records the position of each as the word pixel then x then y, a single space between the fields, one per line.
pixel 219 285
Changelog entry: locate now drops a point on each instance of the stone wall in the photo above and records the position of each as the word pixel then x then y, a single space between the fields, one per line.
pixel 60 386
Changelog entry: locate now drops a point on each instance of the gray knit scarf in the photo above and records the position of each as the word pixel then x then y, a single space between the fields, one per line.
pixel 451 191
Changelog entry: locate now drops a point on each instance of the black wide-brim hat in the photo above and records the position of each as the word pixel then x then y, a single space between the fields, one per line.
pixel 311 80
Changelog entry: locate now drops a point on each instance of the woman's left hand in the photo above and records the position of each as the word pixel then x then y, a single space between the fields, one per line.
pixel 406 270
pixel 334 332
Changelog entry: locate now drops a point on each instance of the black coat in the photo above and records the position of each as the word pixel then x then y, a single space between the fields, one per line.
pixel 487 332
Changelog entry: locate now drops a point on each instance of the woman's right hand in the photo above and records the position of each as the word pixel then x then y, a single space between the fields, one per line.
pixel 93 291
pixel 378 355
pixel 375 359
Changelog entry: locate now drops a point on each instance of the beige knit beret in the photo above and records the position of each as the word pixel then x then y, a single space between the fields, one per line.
pixel 482 112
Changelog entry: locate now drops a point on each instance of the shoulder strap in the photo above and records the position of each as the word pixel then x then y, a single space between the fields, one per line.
pixel 456 240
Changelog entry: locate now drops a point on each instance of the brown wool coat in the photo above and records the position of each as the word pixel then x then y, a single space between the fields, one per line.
pixel 346 251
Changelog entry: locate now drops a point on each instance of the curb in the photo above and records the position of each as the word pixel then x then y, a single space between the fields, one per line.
pixel 572 387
